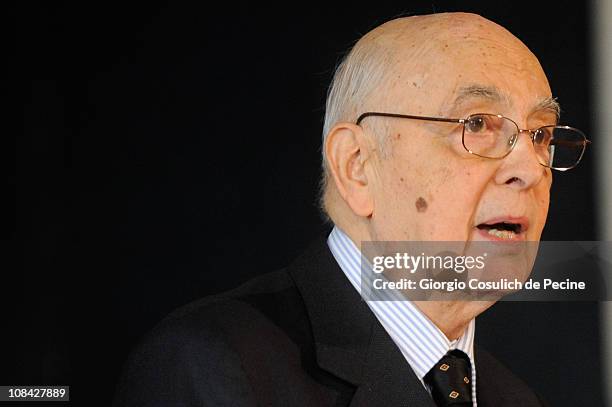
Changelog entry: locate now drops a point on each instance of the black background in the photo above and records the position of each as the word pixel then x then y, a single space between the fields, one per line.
pixel 171 150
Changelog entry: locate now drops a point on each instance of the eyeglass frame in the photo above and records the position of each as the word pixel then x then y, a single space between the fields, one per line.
pixel 532 132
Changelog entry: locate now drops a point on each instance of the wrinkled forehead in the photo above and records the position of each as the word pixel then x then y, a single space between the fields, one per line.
pixel 439 62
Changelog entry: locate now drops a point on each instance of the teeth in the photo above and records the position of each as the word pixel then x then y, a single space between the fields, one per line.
pixel 502 234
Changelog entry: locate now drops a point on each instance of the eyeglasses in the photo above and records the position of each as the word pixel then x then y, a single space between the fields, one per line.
pixel 494 136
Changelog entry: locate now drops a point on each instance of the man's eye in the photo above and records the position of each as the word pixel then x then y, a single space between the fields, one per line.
pixel 543 136
pixel 475 124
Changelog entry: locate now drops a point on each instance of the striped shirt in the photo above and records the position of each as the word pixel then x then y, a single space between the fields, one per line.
pixel 417 337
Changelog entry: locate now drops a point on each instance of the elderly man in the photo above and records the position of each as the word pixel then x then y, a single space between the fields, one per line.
pixel 423 141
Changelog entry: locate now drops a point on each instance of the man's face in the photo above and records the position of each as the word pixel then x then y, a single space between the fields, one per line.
pixel 428 187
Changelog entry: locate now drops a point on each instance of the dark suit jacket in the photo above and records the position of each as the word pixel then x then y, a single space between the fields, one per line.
pixel 301 336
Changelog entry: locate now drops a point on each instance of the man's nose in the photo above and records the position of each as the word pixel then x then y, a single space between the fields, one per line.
pixel 521 168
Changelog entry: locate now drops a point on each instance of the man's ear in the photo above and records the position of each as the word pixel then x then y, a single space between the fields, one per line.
pixel 347 151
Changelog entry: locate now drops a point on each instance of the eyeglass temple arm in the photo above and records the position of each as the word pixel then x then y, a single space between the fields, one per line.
pixel 405 116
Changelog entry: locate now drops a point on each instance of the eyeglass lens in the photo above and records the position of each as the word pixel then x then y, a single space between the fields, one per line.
pixel 494 136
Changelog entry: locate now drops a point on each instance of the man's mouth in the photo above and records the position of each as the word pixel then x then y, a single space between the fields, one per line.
pixel 507 229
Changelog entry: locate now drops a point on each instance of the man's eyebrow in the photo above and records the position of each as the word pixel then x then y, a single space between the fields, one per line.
pixel 479 91
pixel 549 104
pixel 493 94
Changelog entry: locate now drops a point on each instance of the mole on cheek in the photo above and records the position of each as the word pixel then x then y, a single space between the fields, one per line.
pixel 421 204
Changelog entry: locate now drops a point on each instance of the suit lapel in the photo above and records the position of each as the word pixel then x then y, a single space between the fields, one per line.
pixel 389 380
pixel 498 387
pixel 350 342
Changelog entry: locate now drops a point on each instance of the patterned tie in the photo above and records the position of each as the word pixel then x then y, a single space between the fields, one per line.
pixel 450 380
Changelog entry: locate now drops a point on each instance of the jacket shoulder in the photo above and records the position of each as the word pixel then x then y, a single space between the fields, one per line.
pixel 205 342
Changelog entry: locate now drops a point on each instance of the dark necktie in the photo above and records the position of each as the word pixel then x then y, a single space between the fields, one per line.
pixel 450 380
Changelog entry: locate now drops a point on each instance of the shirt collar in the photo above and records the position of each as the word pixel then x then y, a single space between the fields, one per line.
pixel 421 342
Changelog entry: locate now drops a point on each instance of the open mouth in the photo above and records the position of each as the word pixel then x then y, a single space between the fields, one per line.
pixel 502 230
